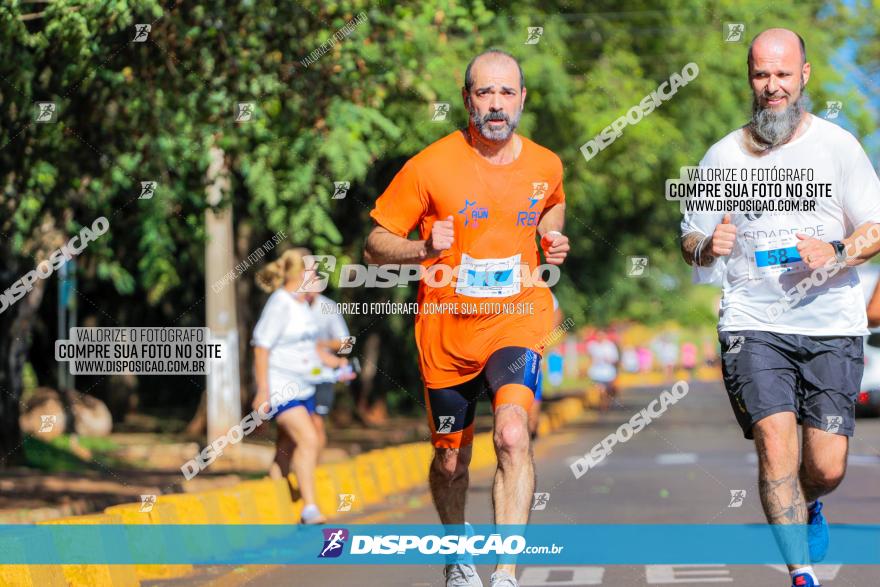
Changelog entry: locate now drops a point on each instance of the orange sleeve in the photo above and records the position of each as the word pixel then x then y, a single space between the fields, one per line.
pixel 404 202
pixel 558 195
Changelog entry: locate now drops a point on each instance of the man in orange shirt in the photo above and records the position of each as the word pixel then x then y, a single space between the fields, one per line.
pixel 478 197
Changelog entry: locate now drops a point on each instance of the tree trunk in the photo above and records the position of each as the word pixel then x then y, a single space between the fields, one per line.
pixel 244 289
pixel 16 323
pixel 224 395
pixel 198 426
pixel 371 413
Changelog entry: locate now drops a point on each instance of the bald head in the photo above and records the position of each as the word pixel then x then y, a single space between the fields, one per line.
pixel 778 73
pixel 777 42
pixel 493 59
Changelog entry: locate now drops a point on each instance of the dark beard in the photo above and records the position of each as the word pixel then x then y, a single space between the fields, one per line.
pixel 769 129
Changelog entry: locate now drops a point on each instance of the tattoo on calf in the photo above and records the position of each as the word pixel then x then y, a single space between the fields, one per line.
pixel 783 500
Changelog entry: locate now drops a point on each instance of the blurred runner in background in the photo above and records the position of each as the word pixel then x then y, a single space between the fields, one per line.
pixel 333 336
pixel 287 359
pixel 667 353
pixel 689 357
pixel 629 360
pixel 553 357
pixel 604 357
pixel 646 359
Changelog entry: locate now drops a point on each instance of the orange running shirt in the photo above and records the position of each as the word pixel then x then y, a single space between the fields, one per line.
pixel 496 209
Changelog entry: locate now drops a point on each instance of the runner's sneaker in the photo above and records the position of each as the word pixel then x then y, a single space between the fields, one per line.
pixel 803 580
pixel 502 579
pixel 462 576
pixel 817 532
pixel 312 515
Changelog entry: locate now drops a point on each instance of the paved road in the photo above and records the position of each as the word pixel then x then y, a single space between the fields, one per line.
pixel 679 469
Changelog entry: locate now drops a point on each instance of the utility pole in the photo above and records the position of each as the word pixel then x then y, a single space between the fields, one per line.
pixel 224 399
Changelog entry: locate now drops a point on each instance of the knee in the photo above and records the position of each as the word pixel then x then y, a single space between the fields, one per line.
pixel 450 463
pixel 308 440
pixel 512 437
pixel 827 477
pixel 777 446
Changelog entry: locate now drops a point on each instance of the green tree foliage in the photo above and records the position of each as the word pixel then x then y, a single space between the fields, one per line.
pixel 138 111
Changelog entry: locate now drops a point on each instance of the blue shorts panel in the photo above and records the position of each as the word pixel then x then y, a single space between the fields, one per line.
pixel 308 404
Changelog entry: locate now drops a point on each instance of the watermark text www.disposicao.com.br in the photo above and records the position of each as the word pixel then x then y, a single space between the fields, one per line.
pixel 448 544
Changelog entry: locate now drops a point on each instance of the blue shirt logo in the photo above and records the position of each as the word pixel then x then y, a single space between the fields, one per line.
pixel 476 213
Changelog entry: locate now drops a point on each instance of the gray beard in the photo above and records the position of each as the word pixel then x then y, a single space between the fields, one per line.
pixel 770 129
pixel 482 125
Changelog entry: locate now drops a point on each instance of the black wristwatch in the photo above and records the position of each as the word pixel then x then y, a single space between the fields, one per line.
pixel 839 251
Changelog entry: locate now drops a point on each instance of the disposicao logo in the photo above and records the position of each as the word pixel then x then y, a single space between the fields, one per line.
pixel 334 542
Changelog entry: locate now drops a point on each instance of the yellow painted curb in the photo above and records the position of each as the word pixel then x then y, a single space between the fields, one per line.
pixel 484 450
pixel 418 464
pixel 95 575
pixel 192 509
pixel 366 482
pixel 345 481
pixel 273 500
pixel 382 470
pixel 246 502
pixel 403 479
pixel 326 493
pixel 427 451
pixel 156 513
pixel 544 427
pixel 594 396
pixel 30 575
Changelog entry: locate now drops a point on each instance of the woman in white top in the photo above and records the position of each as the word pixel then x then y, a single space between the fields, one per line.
pixel 287 361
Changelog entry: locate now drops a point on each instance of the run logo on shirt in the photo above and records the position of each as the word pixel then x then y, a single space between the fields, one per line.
pixel 477 213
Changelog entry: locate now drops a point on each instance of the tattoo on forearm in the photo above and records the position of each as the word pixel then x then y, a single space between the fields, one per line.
pixel 689 244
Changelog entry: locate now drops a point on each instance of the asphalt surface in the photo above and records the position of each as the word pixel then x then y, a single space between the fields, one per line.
pixel 680 469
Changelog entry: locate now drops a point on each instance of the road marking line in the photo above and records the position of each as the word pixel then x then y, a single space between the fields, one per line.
pixel 863 460
pixel 561 576
pixel 676 458
pixel 657 574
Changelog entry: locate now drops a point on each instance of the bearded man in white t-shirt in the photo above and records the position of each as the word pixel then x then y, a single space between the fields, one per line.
pixel 792 314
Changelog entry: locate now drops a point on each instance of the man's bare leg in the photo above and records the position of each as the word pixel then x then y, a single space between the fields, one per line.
pixel 782 496
pixel 448 479
pixel 824 462
pixel 514 486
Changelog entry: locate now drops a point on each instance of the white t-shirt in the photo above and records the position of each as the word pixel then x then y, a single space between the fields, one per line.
pixel 604 357
pixel 835 308
pixel 288 329
pixel 331 326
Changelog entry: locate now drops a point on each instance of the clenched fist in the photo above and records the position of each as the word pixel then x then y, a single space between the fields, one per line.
pixel 723 238
pixel 442 237
pixel 814 252
pixel 555 245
